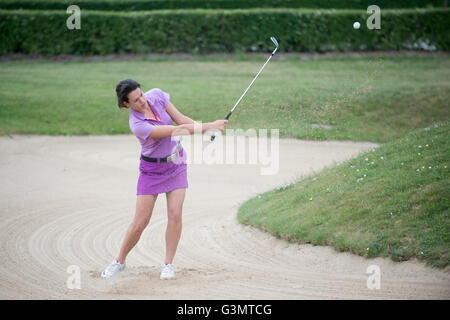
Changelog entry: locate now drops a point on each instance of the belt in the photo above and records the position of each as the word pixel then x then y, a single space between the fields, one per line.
pixel 168 159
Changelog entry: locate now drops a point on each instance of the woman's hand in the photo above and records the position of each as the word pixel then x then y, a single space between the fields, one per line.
pixel 219 125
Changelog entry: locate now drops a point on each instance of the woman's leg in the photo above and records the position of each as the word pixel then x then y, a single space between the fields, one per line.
pixel 175 201
pixel 144 209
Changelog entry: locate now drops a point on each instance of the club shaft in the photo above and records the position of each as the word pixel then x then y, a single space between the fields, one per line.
pixel 260 70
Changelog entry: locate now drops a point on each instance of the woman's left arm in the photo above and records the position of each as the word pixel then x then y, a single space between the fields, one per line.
pixel 177 116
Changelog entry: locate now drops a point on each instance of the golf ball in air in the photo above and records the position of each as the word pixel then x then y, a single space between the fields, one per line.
pixel 356 25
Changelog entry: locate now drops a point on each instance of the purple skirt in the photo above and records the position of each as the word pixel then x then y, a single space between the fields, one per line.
pixel 162 177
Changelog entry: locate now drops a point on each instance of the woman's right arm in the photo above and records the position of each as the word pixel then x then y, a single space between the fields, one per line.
pixel 187 129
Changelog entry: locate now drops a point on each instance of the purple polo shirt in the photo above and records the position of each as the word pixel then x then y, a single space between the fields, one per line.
pixel 142 127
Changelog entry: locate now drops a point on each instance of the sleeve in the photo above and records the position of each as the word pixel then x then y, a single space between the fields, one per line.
pixel 141 129
pixel 163 98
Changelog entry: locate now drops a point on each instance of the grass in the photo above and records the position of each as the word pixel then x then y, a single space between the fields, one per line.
pixel 362 99
pixel 391 202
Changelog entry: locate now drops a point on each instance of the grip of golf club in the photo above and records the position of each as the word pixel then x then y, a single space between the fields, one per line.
pixel 228 115
pixel 226 118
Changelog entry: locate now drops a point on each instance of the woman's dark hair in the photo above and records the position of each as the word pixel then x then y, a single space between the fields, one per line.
pixel 123 89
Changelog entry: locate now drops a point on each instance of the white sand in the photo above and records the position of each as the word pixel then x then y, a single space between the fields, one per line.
pixel 68 201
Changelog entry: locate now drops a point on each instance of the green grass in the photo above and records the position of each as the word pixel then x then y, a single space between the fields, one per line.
pixel 391 202
pixel 370 99
pixel 398 210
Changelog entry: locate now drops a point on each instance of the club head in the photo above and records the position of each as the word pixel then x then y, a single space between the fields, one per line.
pixel 275 42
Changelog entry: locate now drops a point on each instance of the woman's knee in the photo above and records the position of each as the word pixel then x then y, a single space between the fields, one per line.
pixel 174 216
pixel 144 209
pixel 139 225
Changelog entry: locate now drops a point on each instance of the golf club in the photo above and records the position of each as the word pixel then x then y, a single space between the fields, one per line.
pixel 275 42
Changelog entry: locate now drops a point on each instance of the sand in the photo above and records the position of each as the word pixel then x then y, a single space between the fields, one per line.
pixel 66 202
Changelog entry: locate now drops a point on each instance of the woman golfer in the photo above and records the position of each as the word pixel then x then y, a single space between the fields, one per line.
pixel 162 166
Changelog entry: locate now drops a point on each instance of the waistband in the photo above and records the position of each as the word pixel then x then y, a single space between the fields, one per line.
pixel 167 159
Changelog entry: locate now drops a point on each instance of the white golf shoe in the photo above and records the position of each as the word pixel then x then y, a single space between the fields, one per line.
pixel 112 269
pixel 167 272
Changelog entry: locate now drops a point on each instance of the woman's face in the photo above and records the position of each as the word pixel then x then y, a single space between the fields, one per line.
pixel 136 100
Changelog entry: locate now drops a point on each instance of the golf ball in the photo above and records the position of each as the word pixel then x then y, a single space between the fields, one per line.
pixel 356 25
